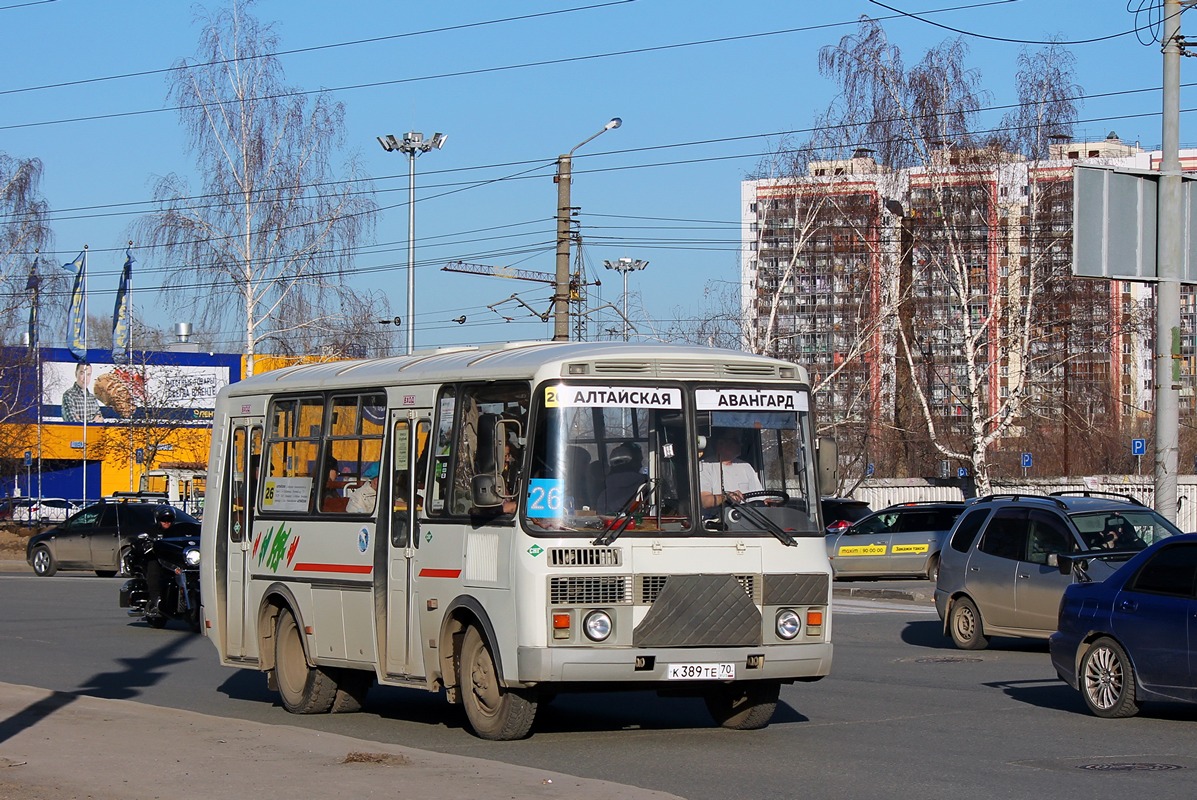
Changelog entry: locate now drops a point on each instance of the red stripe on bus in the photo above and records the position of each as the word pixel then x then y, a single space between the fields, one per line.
pixel 440 573
pixel 355 569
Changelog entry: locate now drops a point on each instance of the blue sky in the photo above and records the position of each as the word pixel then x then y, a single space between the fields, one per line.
pixel 699 108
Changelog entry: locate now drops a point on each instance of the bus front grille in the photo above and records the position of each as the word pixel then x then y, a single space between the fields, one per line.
pixel 591 590
pixel 585 556
pixel 649 587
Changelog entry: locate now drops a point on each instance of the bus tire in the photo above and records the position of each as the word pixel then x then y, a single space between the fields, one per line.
pixel 303 689
pixel 746 706
pixel 494 712
pixel 352 687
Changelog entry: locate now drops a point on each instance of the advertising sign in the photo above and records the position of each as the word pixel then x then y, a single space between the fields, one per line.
pixel 100 392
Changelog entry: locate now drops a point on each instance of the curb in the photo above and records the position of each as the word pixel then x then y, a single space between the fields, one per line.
pixel 875 593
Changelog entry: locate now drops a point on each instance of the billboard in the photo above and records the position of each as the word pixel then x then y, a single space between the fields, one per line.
pixel 179 388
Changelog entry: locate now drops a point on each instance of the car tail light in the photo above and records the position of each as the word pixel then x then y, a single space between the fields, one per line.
pixel 839 526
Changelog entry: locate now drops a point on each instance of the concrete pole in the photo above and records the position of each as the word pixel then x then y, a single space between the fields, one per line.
pixel 1169 237
pixel 561 286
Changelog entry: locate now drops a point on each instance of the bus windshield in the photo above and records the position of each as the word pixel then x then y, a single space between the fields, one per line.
pixel 675 461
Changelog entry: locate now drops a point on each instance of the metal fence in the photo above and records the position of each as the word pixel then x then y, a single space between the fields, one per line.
pixel 882 493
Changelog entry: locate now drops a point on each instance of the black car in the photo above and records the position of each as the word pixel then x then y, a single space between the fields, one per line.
pixel 98 537
pixel 840 512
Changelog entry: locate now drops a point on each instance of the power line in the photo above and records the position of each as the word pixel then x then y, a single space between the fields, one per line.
pixel 297 50
pixel 899 12
pixel 481 70
pixel 524 175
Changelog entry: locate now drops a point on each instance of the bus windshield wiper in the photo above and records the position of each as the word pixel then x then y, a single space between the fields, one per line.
pixel 627 512
pixel 758 518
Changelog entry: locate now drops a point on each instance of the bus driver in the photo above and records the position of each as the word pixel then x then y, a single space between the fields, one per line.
pixel 727 476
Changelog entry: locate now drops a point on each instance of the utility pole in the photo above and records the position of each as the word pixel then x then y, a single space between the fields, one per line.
pixel 1169 266
pixel 564 214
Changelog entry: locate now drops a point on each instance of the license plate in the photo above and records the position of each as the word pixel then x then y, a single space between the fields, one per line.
pixel 700 672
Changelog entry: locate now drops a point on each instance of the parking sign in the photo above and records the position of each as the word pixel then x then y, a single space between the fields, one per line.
pixel 1027 460
pixel 1138 447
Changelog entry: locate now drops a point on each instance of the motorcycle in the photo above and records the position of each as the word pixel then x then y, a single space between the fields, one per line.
pixel 164 581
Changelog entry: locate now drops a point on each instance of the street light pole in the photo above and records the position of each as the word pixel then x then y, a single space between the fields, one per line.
pixel 412 145
pixel 561 282
pixel 624 266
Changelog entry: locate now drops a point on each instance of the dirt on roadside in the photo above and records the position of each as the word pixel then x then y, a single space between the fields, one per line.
pixel 12 541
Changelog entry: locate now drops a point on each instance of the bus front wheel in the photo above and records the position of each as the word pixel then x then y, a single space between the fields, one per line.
pixel 303 689
pixel 744 706
pixel 494 712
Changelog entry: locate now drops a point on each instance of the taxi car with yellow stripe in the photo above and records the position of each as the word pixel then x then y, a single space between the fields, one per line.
pixel 902 540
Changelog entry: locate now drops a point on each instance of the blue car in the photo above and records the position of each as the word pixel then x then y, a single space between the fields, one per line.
pixel 1132 637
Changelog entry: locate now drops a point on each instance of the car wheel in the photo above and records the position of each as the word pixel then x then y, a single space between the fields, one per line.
pixel 303 689
pixel 933 569
pixel 43 561
pixel 744 706
pixel 964 625
pixel 1108 680
pixel 494 712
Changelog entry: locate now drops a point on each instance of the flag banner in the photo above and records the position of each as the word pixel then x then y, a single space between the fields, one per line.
pixel 77 318
pixel 31 286
pixel 122 314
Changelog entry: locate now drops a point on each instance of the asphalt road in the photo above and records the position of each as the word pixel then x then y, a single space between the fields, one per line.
pixel 903 713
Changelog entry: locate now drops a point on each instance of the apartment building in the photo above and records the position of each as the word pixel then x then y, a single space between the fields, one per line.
pixel 953 277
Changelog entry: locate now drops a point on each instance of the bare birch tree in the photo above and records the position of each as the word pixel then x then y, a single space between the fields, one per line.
pixel 273 229
pixel 981 344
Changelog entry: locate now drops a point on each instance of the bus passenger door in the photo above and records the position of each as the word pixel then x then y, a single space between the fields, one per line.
pixel 243 464
pixel 408 467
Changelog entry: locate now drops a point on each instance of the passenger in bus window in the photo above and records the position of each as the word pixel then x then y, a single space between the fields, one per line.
pixel 625 477
pixel 361 499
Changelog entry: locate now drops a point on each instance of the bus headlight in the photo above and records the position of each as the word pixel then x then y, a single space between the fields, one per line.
pixel 192 557
pixel 788 623
pixel 597 626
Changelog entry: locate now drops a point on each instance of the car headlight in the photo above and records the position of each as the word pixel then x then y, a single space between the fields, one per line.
pixel 788 623
pixel 597 625
pixel 192 557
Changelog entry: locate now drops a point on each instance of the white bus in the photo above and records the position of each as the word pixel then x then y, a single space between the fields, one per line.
pixel 508 523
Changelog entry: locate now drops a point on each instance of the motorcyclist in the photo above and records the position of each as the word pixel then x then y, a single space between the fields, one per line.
pixel 164 520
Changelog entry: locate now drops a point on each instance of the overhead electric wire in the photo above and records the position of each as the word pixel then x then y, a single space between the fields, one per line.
pixel 988 37
pixel 459 187
pixel 545 163
pixel 479 71
pixel 311 49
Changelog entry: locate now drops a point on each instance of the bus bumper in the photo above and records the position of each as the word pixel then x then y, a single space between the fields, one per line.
pixel 648 665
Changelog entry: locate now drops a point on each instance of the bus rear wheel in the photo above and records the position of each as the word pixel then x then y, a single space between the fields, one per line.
pixel 494 712
pixel 744 706
pixel 303 689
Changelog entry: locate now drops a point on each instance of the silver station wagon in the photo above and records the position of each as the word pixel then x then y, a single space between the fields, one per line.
pixel 1000 574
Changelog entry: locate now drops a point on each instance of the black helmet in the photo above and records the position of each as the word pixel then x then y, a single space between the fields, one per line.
pixel 165 515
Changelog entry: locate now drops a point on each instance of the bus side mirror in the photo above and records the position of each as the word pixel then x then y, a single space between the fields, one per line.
pixel 828 459
pixel 486 490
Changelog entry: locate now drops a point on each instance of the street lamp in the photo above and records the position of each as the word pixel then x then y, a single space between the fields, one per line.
pixel 624 266
pixel 412 145
pixel 561 282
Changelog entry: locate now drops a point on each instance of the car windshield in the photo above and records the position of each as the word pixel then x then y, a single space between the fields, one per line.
pixel 1122 529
